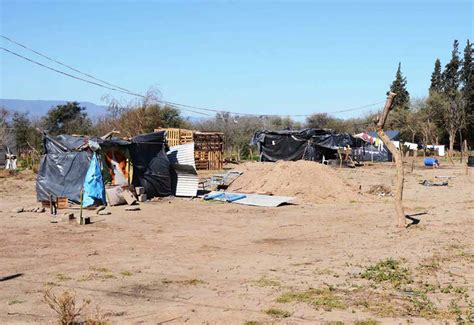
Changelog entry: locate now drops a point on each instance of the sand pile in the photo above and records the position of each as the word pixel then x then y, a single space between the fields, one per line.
pixel 307 181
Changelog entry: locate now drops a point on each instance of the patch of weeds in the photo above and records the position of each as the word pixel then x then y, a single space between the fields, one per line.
pixel 251 322
pixel 278 313
pixel 101 269
pixel 265 282
pixel 126 273
pixel 15 302
pixel 432 264
pixel 97 276
pixel 62 277
pixel 368 321
pixel 421 306
pixel 454 309
pixel 428 287
pixel 318 298
pixel 323 272
pixel 451 289
pixel 190 282
pixel 388 270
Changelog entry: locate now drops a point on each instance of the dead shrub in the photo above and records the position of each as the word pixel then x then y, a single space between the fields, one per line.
pixel 68 310
pixel 64 305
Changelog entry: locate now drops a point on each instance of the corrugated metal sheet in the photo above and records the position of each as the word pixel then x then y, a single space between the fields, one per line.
pixel 182 154
pixel 181 158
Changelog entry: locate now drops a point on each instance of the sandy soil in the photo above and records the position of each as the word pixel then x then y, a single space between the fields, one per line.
pixel 189 261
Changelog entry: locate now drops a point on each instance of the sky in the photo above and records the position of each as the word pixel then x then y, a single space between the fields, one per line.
pixel 264 57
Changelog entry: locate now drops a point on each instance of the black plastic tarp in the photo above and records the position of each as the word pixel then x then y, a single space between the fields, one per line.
pixel 334 140
pixel 307 144
pixel 151 167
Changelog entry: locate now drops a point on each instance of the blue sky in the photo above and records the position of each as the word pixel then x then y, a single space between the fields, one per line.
pixel 268 57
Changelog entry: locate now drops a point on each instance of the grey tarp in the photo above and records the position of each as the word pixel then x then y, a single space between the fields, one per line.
pixel 62 174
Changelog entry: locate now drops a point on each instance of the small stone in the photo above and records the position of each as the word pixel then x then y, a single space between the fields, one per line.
pixel 40 210
pixel 104 213
pixel 18 210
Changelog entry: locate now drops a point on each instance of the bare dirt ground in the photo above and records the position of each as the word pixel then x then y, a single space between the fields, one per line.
pixel 190 261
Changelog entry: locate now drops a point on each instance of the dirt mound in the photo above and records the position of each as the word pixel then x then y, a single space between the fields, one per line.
pixel 307 181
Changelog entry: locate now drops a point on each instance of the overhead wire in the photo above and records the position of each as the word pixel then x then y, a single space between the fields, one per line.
pixel 110 86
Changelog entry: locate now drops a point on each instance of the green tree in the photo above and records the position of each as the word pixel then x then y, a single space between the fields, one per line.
pixel 467 80
pixel 318 120
pixel 436 78
pixel 22 129
pixel 68 119
pixel 399 86
pixel 451 75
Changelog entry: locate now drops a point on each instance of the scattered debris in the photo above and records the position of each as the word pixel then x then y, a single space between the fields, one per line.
pixel 249 199
pixel 223 181
pixel 132 208
pixel 430 183
pixel 34 209
pixel 129 197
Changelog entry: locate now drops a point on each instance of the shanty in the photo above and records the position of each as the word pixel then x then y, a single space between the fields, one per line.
pixel 238 162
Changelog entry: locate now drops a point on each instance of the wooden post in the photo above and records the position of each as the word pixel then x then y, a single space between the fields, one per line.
pixel 80 211
pixel 397 156
pixel 466 152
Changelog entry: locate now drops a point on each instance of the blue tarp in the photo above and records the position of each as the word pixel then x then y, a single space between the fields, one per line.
pixel 93 185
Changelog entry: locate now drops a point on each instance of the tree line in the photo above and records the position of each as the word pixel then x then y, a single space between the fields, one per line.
pixel 444 116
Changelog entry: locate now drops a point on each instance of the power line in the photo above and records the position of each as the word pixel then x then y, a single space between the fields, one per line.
pixel 67 66
pixel 85 80
pixel 116 88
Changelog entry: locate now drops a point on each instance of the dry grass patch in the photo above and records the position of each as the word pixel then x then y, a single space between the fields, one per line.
pixel 325 298
pixel 278 313
pixel 265 282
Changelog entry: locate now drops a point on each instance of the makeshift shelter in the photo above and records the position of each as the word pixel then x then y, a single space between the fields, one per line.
pixel 372 148
pixel 307 144
pixel 67 159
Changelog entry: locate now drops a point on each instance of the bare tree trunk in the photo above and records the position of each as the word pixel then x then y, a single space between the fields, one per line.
pixel 452 136
pixel 460 142
pixel 398 160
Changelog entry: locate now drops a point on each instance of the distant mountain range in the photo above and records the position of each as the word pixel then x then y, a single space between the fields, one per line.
pixel 40 107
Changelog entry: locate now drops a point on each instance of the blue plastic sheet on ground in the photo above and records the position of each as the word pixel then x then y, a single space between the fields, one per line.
pixel 93 185
pixel 429 161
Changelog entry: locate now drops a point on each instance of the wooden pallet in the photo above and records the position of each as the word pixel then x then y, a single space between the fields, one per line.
pixel 176 136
